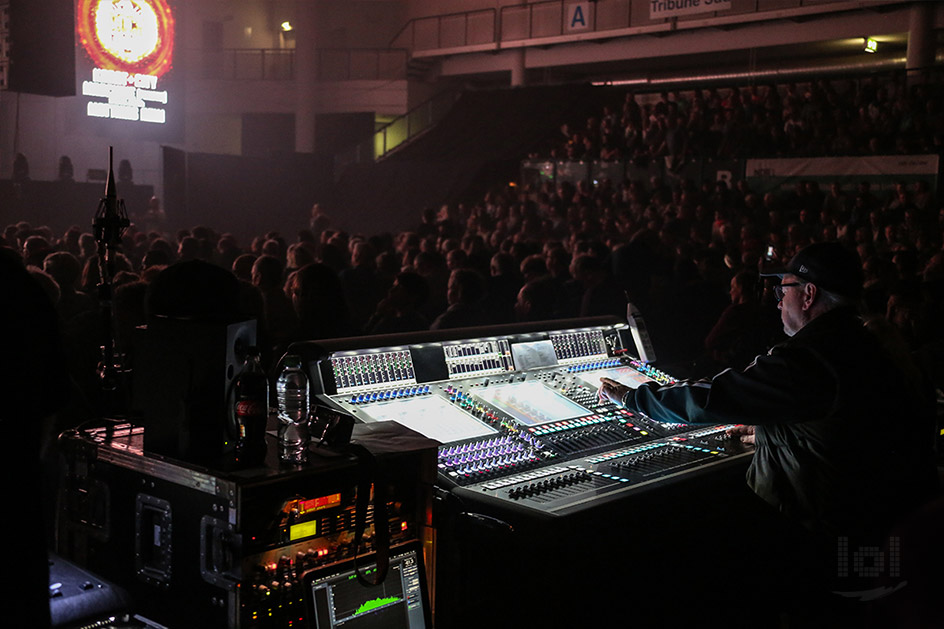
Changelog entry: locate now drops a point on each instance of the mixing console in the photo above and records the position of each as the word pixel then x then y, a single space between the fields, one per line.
pixel 518 415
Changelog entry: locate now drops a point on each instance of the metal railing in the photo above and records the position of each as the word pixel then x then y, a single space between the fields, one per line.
pixel 535 174
pixel 452 30
pixel 278 64
pixel 414 123
pixel 361 64
pixel 398 132
pixel 248 64
pixel 513 24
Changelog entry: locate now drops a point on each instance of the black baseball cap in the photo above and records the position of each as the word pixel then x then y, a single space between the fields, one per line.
pixel 829 265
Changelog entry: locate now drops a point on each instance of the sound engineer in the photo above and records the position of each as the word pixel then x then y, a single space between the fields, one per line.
pixel 843 433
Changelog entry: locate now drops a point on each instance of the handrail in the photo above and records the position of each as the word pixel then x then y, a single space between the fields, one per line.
pixel 439 20
pixel 279 63
pixel 398 132
pixel 398 71
pixel 606 16
pixel 266 64
pixel 453 95
pixel 394 39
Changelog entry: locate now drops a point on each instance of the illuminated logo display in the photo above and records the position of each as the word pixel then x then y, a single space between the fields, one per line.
pixel 131 44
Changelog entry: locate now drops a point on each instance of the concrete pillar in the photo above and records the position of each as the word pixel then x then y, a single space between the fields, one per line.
pixel 518 69
pixel 921 44
pixel 306 73
pixel 518 76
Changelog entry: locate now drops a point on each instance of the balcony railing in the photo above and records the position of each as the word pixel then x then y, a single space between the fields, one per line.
pixel 278 64
pixel 454 30
pixel 248 64
pixel 512 25
pixel 361 64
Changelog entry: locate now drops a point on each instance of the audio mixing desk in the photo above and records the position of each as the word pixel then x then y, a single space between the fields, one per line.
pixel 547 497
pixel 516 412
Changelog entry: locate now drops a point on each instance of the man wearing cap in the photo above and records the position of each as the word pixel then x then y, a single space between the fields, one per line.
pixel 843 438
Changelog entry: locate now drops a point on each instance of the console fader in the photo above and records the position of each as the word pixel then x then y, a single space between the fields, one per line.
pixel 516 411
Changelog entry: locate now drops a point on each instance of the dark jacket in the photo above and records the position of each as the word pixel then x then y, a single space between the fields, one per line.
pixel 843 437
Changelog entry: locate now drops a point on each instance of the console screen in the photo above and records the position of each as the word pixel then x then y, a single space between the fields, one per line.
pixel 336 598
pixel 624 375
pixel 432 416
pixel 531 403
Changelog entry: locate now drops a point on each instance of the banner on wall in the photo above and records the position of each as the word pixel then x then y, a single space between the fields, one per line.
pixel 882 171
pixel 661 9
pixel 534 173
pixel 762 175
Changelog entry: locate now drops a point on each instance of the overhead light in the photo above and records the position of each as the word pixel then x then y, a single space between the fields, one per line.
pixel 287 26
pixel 870 45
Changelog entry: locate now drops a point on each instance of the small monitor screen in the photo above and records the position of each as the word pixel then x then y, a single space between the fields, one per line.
pixel 624 375
pixel 531 403
pixel 432 416
pixel 336 598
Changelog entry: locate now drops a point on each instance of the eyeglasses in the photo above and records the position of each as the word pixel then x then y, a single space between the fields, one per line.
pixel 778 289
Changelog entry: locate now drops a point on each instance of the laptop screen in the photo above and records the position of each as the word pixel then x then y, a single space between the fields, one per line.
pixel 336 598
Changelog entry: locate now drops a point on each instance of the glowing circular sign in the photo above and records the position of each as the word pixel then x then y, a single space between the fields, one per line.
pixel 134 36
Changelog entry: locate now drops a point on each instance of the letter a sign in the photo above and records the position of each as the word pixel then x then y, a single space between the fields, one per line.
pixel 577 17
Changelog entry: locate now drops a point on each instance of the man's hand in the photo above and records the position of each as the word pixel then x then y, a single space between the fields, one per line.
pixel 744 433
pixel 612 391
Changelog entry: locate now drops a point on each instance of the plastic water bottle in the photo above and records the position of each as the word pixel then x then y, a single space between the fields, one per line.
pixel 292 393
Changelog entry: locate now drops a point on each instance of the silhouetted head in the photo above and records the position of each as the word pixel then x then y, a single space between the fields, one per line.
pixel 194 290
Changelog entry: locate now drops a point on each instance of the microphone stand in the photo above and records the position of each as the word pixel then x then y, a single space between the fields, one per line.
pixel 111 220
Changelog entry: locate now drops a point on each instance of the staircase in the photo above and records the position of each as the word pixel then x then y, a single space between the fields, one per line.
pixel 418 67
pixel 486 133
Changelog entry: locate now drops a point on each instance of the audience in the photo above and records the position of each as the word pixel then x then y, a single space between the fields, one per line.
pixel 676 248
pixel 465 293
pixel 820 118
pixel 746 328
pixel 400 311
pixel 685 252
pixel 280 323
pixel 318 298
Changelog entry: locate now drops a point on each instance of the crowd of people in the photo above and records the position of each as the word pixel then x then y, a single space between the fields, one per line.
pixel 685 253
pixel 687 257
pixel 866 116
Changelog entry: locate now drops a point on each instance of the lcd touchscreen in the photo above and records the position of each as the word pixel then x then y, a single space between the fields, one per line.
pixel 337 599
pixel 624 375
pixel 432 416
pixel 531 403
